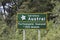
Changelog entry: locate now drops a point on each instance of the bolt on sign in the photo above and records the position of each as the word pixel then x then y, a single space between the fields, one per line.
pixel 31 20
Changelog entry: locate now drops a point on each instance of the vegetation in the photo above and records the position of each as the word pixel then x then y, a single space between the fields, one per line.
pixel 51 33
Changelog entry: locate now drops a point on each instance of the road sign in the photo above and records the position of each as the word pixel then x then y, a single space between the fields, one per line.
pixel 31 20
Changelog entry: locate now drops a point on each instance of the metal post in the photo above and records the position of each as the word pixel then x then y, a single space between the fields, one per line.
pixel 23 34
pixel 38 34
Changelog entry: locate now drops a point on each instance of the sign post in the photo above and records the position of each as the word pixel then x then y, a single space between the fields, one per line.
pixel 31 21
pixel 23 34
pixel 39 34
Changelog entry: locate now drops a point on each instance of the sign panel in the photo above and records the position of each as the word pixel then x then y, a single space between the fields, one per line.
pixel 31 20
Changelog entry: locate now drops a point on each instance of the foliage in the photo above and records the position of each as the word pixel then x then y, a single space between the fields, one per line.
pixel 51 33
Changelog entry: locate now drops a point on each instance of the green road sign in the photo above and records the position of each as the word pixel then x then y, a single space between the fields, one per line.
pixel 31 20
